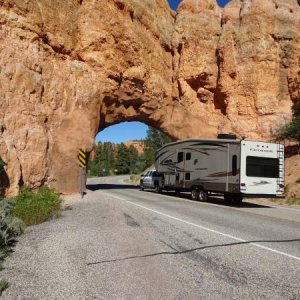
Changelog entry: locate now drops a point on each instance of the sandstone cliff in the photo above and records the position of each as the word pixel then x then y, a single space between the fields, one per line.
pixel 70 68
pixel 138 145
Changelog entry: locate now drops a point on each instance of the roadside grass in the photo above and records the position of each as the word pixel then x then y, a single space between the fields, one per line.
pixel 37 207
pixel 286 201
pixel 293 201
pixel 278 201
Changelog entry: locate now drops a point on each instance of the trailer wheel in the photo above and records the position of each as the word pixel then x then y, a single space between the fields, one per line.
pixel 202 196
pixel 195 194
pixel 227 198
pixel 237 199
pixel 177 192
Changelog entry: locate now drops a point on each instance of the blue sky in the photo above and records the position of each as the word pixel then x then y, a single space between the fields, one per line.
pixel 133 130
pixel 123 132
pixel 174 3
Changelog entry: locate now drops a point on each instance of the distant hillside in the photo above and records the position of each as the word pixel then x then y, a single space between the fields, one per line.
pixel 137 144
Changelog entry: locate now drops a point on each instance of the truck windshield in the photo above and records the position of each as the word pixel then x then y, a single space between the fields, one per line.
pixel 262 167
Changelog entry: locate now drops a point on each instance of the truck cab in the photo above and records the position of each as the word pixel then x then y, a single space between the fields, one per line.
pixel 152 180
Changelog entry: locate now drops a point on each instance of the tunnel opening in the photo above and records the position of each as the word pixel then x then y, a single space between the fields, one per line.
pixel 126 148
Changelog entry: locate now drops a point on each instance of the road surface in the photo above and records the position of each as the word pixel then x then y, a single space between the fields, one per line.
pixel 122 243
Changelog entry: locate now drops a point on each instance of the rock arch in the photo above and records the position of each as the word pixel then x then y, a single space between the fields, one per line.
pixel 71 68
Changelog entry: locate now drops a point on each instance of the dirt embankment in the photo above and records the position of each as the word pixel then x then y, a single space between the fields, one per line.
pixel 292 176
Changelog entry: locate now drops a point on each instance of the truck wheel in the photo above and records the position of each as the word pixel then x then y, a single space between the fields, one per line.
pixel 141 186
pixel 195 194
pixel 157 188
pixel 202 196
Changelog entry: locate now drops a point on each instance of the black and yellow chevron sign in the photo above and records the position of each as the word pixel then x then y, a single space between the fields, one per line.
pixel 82 158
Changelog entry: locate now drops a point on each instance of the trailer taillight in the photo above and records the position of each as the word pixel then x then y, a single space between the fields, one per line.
pixel 243 184
pixel 281 186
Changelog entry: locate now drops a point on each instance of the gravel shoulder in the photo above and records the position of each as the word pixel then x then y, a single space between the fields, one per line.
pixel 51 260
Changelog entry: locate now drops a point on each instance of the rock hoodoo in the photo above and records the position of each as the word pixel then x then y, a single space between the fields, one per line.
pixel 70 68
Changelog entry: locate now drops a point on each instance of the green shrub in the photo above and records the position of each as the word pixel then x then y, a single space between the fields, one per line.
pixel 10 226
pixel 37 207
pixel 3 285
pixel 292 130
pixel 293 201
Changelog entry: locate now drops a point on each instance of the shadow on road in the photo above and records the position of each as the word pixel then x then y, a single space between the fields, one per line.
pixel 192 250
pixel 213 199
pixel 217 200
pixel 106 186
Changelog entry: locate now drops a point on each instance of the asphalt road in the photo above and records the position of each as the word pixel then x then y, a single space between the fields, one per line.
pixel 122 243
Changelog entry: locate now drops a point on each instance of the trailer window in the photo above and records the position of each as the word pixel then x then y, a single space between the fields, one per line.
pixel 188 156
pixel 234 165
pixel 262 167
pixel 180 157
pixel 187 176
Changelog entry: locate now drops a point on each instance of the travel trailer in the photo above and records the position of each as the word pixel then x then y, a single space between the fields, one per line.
pixel 227 166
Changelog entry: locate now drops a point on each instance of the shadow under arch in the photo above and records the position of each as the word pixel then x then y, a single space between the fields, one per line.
pixel 187 196
pixel 4 180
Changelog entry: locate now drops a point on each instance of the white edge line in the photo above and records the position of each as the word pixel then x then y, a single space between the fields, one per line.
pixel 204 228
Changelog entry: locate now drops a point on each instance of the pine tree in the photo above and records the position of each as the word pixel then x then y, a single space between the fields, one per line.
pixel 141 163
pixel 94 165
pixel 108 158
pixel 122 163
pixel 154 140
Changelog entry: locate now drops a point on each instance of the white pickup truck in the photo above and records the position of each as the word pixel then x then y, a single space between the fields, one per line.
pixel 152 180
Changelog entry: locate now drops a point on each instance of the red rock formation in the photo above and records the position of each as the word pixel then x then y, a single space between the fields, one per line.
pixel 138 145
pixel 68 69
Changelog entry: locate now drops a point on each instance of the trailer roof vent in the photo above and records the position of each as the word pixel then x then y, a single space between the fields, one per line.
pixel 227 136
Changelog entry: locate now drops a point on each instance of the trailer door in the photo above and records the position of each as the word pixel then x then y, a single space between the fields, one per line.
pixel 179 171
pixel 262 168
pixel 233 173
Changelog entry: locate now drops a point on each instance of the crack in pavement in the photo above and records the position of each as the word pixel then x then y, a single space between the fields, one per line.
pixel 189 250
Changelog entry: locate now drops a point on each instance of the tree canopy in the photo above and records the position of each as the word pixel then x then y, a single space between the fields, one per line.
pixel 112 158
pixel 155 139
pixel 292 130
